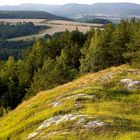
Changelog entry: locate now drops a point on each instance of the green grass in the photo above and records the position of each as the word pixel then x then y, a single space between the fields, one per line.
pixel 113 103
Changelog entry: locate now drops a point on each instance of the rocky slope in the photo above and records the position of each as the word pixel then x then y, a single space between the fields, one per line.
pixel 99 106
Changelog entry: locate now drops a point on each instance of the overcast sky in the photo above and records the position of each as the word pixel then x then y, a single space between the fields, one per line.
pixel 16 2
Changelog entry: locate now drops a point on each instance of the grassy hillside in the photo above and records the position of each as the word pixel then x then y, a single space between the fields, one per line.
pixel 99 106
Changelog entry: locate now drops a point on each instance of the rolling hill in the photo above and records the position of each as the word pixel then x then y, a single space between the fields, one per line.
pixel 80 10
pixel 29 15
pixel 100 9
pixel 101 106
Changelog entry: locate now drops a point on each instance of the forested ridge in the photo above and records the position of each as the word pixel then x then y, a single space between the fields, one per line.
pixel 19 14
pixel 65 56
pixel 19 29
pixel 8 30
pixel 92 19
pixel 13 48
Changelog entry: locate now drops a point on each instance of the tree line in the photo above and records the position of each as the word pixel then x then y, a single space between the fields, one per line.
pixel 14 48
pixel 65 56
pixel 8 30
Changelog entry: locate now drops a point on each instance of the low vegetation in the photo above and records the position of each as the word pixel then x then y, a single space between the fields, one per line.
pixel 96 106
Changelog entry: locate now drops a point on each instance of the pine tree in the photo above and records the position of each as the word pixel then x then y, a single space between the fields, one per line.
pixel 118 45
pixel 97 56
pixel 133 49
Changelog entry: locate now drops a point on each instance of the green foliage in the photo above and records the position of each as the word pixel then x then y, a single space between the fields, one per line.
pixel 29 15
pixel 47 64
pixel 133 52
pixel 58 59
pixel 97 56
pixel 91 19
pixel 13 48
pixel 9 85
pixel 8 30
pixel 118 46
pixel 3 111
pixel 42 78
pixel 113 46
pixel 60 63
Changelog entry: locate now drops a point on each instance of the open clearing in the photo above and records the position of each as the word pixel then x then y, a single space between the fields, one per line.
pixel 55 26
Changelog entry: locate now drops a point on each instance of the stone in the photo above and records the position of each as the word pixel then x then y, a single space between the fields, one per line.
pixel 32 135
pixel 79 119
pixel 92 124
pixel 55 104
pixel 58 119
pixel 129 83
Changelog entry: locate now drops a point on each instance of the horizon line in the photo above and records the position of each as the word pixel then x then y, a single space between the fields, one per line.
pixel 70 3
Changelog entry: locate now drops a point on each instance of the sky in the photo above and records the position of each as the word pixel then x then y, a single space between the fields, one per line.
pixel 16 2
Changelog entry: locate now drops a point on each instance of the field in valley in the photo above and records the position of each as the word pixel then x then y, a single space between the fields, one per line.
pixel 55 26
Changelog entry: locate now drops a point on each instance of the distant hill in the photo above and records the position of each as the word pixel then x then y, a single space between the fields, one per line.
pixel 79 10
pixel 29 15
pixel 101 9
pixel 92 19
